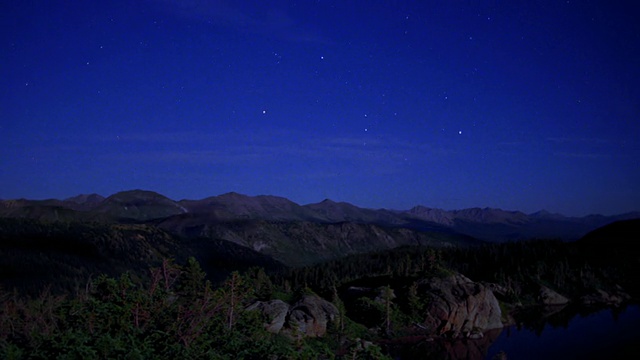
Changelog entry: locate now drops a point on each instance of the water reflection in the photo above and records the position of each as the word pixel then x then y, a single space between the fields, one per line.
pixel 543 333
pixel 574 333
pixel 428 348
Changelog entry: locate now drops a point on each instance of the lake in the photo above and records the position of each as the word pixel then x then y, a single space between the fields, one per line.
pixel 569 333
pixel 603 334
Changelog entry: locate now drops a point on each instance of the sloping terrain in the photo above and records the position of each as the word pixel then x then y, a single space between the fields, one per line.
pixel 298 243
pixel 34 253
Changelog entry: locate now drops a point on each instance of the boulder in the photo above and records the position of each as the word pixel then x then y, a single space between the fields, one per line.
pixel 308 317
pixel 457 306
pixel 275 311
pixel 550 297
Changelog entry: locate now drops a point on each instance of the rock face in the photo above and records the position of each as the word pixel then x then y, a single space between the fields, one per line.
pixel 458 307
pixel 308 317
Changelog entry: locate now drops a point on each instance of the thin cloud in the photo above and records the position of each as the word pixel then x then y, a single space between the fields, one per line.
pixel 581 147
pixel 577 155
pixel 378 156
pixel 576 140
pixel 265 19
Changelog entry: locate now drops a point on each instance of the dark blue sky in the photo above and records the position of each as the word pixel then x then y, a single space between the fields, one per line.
pixel 518 105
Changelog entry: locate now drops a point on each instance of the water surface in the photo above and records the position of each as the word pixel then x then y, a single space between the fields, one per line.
pixel 570 333
pixel 603 334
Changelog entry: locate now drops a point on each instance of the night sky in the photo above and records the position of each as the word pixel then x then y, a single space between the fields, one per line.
pixel 518 105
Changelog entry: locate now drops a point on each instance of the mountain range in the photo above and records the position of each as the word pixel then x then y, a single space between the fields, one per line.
pixel 65 241
pixel 138 206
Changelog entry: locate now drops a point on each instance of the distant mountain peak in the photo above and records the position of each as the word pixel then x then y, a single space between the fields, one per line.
pixel 136 193
pixel 544 214
pixel 92 198
pixel 438 216
pixel 233 194
pixel 258 198
pixel 333 202
pixel 139 205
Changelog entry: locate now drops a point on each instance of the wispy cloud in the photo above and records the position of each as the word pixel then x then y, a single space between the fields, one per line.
pixel 581 147
pixel 577 155
pixel 267 18
pixel 332 155
pixel 578 140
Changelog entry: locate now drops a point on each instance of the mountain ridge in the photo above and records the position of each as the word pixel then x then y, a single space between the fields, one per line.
pixel 487 224
pixel 96 198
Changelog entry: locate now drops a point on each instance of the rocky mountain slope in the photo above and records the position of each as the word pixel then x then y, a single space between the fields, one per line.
pixel 298 243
